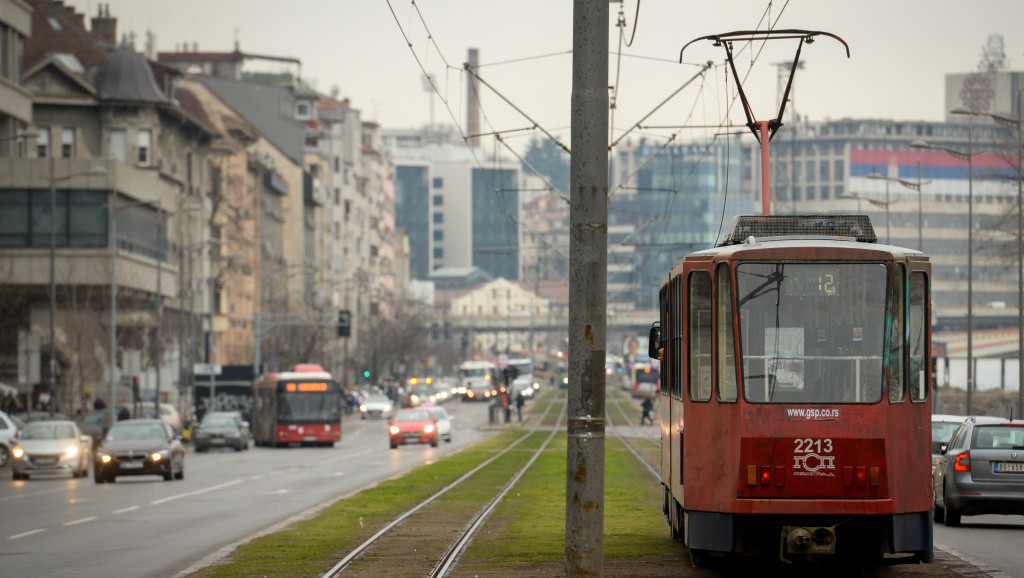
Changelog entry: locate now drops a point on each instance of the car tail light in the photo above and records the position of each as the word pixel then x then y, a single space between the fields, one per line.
pixel 962 463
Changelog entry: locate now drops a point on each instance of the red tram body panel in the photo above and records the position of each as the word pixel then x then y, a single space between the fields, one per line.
pixel 795 393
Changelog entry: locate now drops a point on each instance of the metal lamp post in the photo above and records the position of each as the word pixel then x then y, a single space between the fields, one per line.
pixel 1018 124
pixel 910 185
pixel 95 171
pixel 113 208
pixel 968 156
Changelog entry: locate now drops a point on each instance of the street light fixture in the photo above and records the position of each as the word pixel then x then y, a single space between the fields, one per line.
pixel 1018 123
pixel 910 185
pixel 94 171
pixel 968 156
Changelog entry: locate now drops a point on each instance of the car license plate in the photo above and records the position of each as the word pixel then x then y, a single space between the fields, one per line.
pixel 217 440
pixel 45 461
pixel 309 439
pixel 1004 467
pixel 131 465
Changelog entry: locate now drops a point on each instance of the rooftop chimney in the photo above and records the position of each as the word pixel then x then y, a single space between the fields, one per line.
pixel 105 26
pixel 473 100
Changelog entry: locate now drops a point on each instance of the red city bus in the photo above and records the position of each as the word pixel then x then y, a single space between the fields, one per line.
pixel 301 406
pixel 795 382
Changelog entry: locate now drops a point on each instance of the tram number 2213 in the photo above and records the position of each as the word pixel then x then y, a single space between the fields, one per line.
pixel 813 457
pixel 809 446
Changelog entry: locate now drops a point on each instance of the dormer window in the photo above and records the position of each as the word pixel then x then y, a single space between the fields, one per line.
pixel 302 110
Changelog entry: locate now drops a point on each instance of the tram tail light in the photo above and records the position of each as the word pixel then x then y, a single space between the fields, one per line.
pixel 862 476
pixel 874 476
pixel 962 463
pixel 766 475
pixel 751 475
pixel 780 476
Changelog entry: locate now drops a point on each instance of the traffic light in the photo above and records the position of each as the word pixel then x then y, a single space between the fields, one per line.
pixel 366 374
pixel 344 323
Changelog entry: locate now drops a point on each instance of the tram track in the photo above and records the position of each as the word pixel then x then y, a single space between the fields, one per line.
pixel 450 531
pixel 618 434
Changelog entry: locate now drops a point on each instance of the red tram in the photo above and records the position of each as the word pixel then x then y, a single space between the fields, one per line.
pixel 795 383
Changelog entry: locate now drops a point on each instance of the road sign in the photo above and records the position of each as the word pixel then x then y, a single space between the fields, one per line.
pixel 207 369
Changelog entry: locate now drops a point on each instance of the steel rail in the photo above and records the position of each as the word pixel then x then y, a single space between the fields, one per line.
pixel 632 450
pixel 359 550
pixel 451 557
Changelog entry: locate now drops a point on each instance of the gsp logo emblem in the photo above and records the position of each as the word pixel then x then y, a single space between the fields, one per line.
pixel 813 457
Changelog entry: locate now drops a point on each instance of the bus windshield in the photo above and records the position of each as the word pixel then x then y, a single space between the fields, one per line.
pixel 812 332
pixel 474 372
pixel 309 406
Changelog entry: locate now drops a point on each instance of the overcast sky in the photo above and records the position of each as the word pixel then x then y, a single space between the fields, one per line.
pixel 900 51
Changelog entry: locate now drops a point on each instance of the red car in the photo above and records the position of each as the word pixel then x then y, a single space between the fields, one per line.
pixel 413 425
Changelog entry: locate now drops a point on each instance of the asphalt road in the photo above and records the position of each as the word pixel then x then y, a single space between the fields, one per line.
pixel 59 526
pixel 992 543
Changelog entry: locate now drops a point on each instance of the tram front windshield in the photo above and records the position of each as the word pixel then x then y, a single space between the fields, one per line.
pixel 812 332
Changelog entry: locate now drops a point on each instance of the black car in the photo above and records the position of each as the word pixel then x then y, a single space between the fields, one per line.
pixel 221 429
pixel 139 447
pixel 981 470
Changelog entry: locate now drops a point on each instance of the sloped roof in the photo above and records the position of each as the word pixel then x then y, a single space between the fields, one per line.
pixel 262 106
pixel 57 28
pixel 124 75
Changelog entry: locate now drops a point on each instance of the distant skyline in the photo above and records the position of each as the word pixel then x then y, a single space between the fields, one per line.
pixel 900 52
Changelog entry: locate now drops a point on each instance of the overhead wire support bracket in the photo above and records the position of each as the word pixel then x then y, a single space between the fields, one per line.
pixel 764 130
pixel 469 69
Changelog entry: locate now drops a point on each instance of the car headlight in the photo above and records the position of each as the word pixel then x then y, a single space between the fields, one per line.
pixel 105 458
pixel 362 408
pixel 414 398
pixel 393 429
pixel 18 452
pixel 70 451
pixel 157 456
pixel 428 428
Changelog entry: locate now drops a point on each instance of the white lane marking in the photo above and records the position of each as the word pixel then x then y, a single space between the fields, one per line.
pixel 282 491
pixel 197 492
pixel 31 494
pixel 126 510
pixel 256 477
pixel 23 534
pixel 81 521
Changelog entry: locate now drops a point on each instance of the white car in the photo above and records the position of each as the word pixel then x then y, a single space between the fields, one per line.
pixel 48 447
pixel 376 406
pixel 444 422
pixel 8 437
pixel 523 384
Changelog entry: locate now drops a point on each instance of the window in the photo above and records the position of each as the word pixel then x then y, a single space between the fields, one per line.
pixel 43 142
pixel 823 170
pixel 700 336
pixel 438 200
pixel 67 143
pixel 812 332
pixel 438 217
pixel 119 144
pixel 894 361
pixel 144 147
pixel 726 344
pixel 438 182
pixel 439 253
pixel 438 235
pixel 917 315
pixel 302 110
pixel 4 54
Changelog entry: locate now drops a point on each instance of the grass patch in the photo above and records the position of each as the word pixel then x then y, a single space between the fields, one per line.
pixel 530 525
pixel 310 547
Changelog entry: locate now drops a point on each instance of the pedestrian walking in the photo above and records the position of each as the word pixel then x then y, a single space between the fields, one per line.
pixel 646 409
pixel 520 400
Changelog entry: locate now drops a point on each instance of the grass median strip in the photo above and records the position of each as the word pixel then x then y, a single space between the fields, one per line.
pixel 311 547
pixel 530 525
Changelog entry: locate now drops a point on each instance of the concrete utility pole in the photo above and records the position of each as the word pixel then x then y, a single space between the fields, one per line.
pixel 588 279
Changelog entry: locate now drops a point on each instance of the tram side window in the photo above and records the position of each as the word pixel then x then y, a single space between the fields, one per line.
pixel 700 337
pixel 894 368
pixel 676 290
pixel 726 351
pixel 917 317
